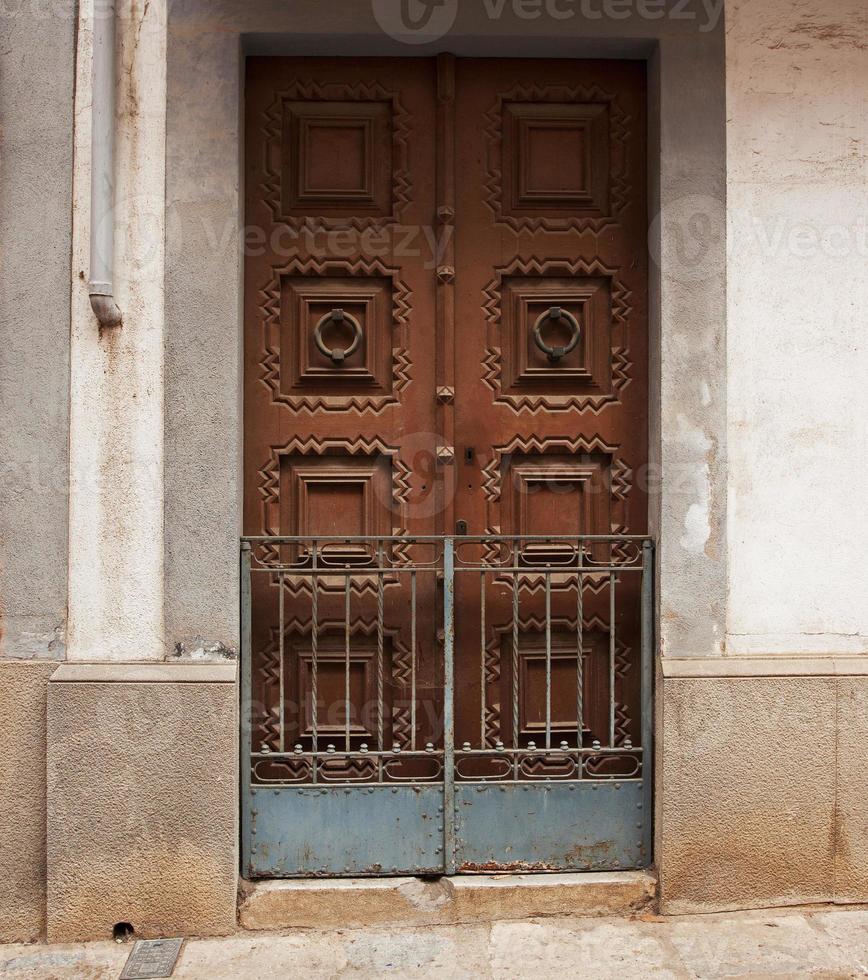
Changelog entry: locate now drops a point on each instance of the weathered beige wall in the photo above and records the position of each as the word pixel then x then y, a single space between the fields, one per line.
pixel 142 800
pixel 764 787
pixel 763 768
pixel 23 687
pixel 797 202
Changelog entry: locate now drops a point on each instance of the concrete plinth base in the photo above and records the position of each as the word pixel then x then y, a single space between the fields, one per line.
pixel 351 902
pixel 763 766
pixel 142 800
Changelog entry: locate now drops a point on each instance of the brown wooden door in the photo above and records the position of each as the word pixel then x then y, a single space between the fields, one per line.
pixel 549 252
pixel 339 366
pixel 445 332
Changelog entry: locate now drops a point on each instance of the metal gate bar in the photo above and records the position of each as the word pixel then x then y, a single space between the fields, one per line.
pixel 476 807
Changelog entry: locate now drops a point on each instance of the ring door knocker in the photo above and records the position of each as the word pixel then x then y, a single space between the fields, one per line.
pixel 556 313
pixel 335 354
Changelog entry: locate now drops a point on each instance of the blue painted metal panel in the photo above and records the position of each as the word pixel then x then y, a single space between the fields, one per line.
pixel 578 826
pixel 359 830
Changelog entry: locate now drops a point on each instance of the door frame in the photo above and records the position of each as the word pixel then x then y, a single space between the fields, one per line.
pixel 204 234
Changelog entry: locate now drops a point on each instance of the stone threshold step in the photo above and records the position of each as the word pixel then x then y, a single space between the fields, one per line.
pixel 353 902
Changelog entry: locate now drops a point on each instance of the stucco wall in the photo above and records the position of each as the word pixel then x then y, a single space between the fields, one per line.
pixel 35 228
pixel 797 184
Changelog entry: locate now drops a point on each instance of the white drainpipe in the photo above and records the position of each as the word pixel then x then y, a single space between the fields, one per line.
pixel 102 179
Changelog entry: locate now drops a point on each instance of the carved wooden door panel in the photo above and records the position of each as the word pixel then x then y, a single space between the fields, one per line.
pixel 445 335
pixel 339 406
pixel 551 386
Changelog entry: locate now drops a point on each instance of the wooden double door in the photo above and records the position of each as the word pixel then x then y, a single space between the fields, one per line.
pixel 445 334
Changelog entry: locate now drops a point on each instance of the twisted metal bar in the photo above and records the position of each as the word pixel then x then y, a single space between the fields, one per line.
pixel 380 614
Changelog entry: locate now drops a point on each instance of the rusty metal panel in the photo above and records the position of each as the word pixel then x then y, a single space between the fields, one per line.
pixel 306 831
pixel 576 826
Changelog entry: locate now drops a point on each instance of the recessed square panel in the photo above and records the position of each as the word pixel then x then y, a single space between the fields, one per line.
pixel 532 683
pixel 335 495
pixel 331 690
pixel 308 305
pixel 559 313
pixel 555 159
pixel 323 497
pixel 555 165
pixel 337 159
pixel 555 493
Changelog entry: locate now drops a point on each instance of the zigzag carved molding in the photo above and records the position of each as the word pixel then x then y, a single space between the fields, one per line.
pixel 537 445
pixel 618 132
pixel 269 474
pixel 306 89
pixel 268 667
pixel 270 308
pixel 492 362
pixel 269 487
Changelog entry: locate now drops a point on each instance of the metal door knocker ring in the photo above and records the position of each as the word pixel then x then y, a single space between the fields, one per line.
pixel 334 353
pixel 556 313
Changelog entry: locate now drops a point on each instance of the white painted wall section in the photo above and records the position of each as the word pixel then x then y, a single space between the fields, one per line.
pixel 797 326
pixel 116 424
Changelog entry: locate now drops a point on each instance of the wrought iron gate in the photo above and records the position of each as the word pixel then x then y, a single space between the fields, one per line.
pixel 360 756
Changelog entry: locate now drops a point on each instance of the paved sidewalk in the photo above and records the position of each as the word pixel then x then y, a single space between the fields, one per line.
pixel 815 943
